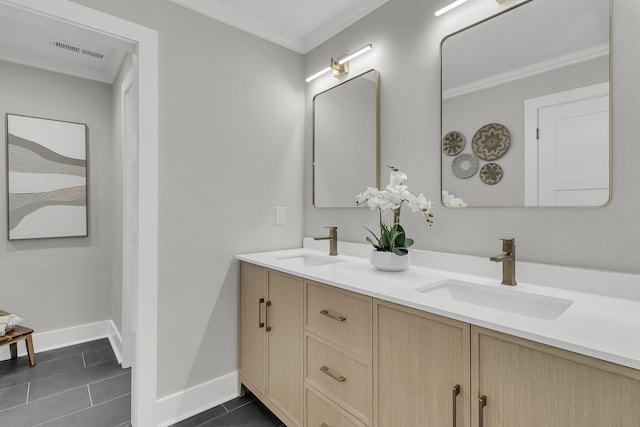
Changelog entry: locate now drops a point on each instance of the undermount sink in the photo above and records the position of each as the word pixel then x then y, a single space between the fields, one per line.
pixel 310 260
pixel 507 299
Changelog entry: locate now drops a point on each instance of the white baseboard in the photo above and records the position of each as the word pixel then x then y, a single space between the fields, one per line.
pixel 116 340
pixel 187 403
pixel 44 341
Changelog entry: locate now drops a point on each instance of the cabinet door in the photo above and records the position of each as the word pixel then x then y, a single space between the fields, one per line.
pixel 284 387
pixel 420 359
pixel 527 384
pixel 252 340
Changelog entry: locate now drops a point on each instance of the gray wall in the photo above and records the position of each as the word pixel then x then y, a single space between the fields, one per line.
pixel 406 38
pixel 467 113
pixel 58 283
pixel 230 150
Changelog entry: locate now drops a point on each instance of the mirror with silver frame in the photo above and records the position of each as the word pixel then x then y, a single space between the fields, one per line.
pixel 346 141
pixel 526 107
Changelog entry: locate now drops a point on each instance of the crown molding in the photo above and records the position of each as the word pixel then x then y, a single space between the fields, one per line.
pixel 302 45
pixel 339 22
pixel 528 71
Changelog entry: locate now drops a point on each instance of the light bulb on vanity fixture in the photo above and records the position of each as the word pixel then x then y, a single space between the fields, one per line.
pixel 340 65
pixel 455 4
pixel 450 6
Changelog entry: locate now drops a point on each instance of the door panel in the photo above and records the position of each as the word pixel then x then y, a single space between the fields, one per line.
pixel 531 385
pixel 252 340
pixel 574 153
pixel 285 322
pixel 421 357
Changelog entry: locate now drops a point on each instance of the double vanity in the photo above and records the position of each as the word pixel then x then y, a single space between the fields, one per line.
pixel 328 341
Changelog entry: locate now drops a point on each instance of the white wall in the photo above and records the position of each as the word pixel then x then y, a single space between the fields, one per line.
pixel 230 150
pixel 58 283
pixel 406 38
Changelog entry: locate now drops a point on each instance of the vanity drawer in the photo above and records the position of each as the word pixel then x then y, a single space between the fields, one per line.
pixel 342 317
pixel 343 379
pixel 322 412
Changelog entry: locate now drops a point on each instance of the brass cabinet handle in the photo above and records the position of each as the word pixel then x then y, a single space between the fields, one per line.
pixel 266 313
pixel 455 391
pixel 333 316
pixel 333 375
pixel 482 402
pixel 324 425
pixel 260 322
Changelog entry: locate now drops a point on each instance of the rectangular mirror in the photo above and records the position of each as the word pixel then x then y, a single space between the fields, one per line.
pixel 346 141
pixel 526 107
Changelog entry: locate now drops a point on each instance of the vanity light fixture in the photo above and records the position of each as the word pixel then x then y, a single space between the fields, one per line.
pixel 340 66
pixel 450 6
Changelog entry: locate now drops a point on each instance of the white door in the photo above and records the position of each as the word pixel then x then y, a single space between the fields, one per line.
pixel 567 154
pixel 574 153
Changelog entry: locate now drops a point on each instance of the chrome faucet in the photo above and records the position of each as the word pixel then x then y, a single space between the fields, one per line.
pixel 508 260
pixel 333 240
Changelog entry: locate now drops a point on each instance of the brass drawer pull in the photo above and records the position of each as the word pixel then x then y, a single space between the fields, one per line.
pixel 260 322
pixel 324 425
pixel 482 402
pixel 333 375
pixel 455 391
pixel 266 312
pixel 337 317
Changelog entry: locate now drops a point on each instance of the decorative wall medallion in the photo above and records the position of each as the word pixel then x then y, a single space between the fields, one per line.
pixel 491 141
pixel 453 143
pixel 491 173
pixel 465 166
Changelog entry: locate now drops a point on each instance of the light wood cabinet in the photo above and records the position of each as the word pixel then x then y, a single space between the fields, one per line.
pixel 420 359
pixel 338 351
pixel 344 318
pixel 320 356
pixel 270 327
pixel 528 384
pixel 252 341
pixel 322 412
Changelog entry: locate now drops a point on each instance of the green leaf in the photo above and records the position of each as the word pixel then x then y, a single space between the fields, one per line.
pixel 400 238
pixel 370 240
pixel 400 251
pixel 408 242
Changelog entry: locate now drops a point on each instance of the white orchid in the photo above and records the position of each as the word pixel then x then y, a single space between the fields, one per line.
pixel 391 199
pixel 397 177
pixel 451 201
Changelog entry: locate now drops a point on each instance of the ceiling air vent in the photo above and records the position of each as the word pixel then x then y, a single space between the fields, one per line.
pixel 76 49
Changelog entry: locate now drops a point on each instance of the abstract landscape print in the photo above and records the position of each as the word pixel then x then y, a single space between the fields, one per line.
pixel 47 178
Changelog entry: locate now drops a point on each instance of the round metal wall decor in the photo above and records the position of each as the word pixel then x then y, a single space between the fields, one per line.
pixel 453 143
pixel 491 173
pixel 491 141
pixel 465 166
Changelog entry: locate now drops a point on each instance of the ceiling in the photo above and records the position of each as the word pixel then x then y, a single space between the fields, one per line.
pixel 42 42
pixel 299 25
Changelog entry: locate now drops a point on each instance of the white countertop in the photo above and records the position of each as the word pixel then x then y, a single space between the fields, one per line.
pixel 603 327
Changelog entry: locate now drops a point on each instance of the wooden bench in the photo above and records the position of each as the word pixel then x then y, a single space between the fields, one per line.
pixel 13 337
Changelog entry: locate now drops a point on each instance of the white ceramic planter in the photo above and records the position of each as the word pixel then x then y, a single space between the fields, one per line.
pixel 388 261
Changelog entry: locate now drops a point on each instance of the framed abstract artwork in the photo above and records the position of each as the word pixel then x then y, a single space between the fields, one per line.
pixel 46 178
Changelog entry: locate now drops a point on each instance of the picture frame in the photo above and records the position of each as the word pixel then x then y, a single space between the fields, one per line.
pixel 46 178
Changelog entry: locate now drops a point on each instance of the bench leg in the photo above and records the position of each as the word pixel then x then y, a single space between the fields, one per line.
pixel 30 352
pixel 14 350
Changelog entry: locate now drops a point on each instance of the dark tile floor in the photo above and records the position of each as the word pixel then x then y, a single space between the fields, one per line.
pixel 80 385
pixel 84 386
pixel 244 411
